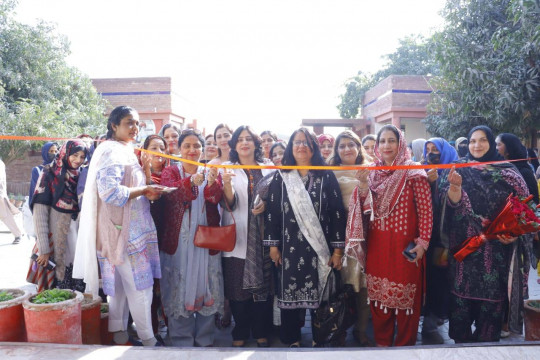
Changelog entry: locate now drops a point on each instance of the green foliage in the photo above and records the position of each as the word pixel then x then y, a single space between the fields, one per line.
pixel 52 296
pixel 4 296
pixel 40 94
pixel 489 56
pixel 412 57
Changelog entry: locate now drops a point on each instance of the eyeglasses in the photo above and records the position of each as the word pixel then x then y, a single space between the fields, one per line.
pixel 350 145
pixel 300 142
pixel 191 131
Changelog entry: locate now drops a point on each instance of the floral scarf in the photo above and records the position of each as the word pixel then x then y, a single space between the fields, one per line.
pixel 57 185
pixel 386 185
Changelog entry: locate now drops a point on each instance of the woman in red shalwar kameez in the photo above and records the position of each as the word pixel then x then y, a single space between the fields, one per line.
pixel 401 213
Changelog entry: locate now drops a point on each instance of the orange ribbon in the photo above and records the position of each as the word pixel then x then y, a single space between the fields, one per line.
pixel 251 167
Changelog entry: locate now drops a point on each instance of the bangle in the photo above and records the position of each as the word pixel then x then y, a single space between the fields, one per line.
pixel 335 254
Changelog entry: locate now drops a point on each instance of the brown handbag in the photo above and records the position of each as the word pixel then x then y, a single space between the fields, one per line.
pixel 220 238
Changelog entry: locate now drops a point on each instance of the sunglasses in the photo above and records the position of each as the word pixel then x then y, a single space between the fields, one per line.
pixel 191 131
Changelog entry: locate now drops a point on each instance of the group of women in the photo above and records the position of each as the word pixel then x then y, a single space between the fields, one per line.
pixel 390 233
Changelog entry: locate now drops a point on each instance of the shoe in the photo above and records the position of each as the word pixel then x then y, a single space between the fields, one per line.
pixel 130 342
pixel 160 341
pixel 238 343
pixel 505 334
pixel 17 240
pixel 262 343
pixel 295 345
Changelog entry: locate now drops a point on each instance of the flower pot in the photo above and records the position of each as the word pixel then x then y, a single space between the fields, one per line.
pixel 91 320
pixel 58 323
pixel 12 316
pixel 106 336
pixel 531 315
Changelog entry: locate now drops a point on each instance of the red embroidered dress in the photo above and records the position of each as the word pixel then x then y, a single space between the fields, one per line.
pixel 393 281
pixel 401 212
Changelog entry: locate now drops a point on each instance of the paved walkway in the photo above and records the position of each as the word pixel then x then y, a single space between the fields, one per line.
pixel 14 262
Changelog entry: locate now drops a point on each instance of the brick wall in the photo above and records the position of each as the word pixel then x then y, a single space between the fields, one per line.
pixel 152 97
pixel 18 173
pixel 381 100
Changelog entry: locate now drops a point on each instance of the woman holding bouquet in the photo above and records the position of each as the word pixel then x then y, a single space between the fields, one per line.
pixel 473 197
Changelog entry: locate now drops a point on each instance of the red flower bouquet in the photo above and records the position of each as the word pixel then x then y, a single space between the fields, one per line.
pixel 518 217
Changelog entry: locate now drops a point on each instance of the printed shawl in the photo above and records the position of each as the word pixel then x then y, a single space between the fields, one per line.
pixel 308 223
pixel 387 185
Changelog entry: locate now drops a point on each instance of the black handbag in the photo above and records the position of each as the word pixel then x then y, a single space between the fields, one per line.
pixel 334 316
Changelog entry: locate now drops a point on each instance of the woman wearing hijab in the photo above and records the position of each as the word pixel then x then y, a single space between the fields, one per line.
pixel 511 148
pixel 462 147
pixel 48 153
pixel 401 219
pixel 436 151
pixel 326 144
pixel 417 147
pixel 474 196
pixel 55 209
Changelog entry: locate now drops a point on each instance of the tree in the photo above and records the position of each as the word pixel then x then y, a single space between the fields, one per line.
pixel 489 56
pixel 40 94
pixel 412 57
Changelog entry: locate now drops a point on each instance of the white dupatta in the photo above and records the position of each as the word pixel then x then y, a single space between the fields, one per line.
pixel 308 222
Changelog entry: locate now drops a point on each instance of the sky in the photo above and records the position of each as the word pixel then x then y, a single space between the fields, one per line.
pixel 265 63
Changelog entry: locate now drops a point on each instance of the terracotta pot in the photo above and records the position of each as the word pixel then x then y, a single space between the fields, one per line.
pixel 12 316
pixel 106 336
pixel 91 320
pixel 58 323
pixel 531 315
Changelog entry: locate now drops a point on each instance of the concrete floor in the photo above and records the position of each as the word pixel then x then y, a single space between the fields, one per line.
pixel 14 262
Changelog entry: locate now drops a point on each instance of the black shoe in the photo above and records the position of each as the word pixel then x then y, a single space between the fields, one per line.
pixel 17 240
pixel 263 344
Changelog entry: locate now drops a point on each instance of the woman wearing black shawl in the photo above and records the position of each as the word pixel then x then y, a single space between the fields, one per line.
pixel 509 146
pixel 474 196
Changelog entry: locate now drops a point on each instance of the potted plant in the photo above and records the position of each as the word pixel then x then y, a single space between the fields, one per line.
pixel 106 336
pixel 91 320
pixel 54 316
pixel 531 315
pixel 11 315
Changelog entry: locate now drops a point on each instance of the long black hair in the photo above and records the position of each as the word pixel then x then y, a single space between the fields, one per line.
pixel 233 155
pixel 313 144
pixel 116 117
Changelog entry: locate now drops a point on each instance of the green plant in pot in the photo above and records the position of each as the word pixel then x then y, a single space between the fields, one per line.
pixel 52 296
pixel 5 296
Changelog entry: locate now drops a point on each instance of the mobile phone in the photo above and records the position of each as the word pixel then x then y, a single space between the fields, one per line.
pixel 257 201
pixel 407 252
pixel 50 266
pixel 165 189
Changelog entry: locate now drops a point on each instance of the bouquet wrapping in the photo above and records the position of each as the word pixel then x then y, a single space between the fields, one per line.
pixel 518 217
